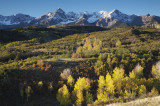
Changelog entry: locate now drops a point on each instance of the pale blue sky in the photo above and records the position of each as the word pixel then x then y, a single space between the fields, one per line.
pixel 40 7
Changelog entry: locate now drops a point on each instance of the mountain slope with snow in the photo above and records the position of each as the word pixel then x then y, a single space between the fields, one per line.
pixel 106 19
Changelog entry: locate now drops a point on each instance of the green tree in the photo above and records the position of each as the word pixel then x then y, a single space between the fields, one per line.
pixel 88 98
pixel 63 95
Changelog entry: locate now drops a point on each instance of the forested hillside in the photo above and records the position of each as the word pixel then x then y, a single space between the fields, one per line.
pixel 66 65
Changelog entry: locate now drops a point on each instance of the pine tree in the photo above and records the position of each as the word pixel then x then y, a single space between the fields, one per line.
pixel 63 95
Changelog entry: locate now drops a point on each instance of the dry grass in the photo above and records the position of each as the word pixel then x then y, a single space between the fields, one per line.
pixel 153 101
pixel 68 59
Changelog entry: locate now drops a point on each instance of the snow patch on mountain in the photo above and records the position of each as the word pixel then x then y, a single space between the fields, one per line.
pixel 103 13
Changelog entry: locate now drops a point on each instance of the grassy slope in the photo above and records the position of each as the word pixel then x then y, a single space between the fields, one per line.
pixel 151 101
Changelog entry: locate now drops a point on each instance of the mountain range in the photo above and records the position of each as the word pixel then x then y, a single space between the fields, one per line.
pixel 111 19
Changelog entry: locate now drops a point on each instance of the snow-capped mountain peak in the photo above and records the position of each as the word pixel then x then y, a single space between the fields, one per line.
pixel 103 13
pixel 100 18
pixel 59 10
pixel 114 13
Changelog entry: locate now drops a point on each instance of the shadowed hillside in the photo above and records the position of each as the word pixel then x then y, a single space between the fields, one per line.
pixel 90 65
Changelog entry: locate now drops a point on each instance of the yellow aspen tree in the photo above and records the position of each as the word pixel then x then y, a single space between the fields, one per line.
pixel 142 91
pixel 63 95
pixel 80 97
pixel 118 77
pixel 82 84
pixel 118 43
pixel 110 84
pixel 97 45
pixel 79 50
pixel 101 93
pixel 70 81
pixel 87 45
pixel 99 67
pixel 132 75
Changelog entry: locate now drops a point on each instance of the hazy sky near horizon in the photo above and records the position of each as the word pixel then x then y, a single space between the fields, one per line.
pixel 40 7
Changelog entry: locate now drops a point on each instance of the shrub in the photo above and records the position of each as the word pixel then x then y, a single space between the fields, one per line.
pixel 154 92
pixel 40 63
